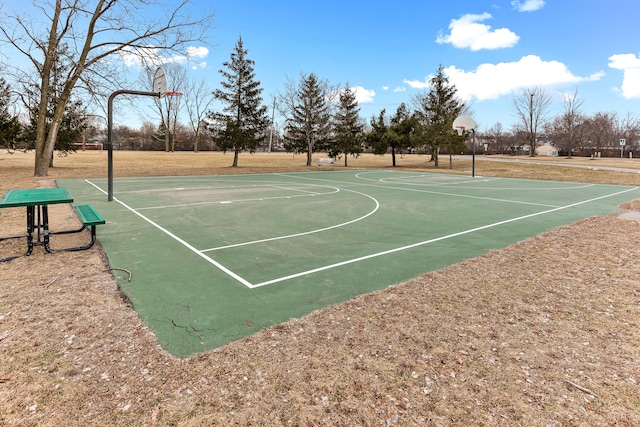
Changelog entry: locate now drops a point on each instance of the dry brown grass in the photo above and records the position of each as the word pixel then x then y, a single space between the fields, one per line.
pixel 542 333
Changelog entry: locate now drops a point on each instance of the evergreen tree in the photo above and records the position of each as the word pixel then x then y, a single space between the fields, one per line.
pixel 403 124
pixel 436 110
pixel 160 135
pixel 395 135
pixel 9 125
pixel 347 128
pixel 308 111
pixel 378 137
pixel 242 123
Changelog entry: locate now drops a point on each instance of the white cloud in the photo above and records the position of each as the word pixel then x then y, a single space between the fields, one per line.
pixel 363 95
pixel 527 5
pixel 491 81
pixel 630 65
pixel 199 65
pixel 197 52
pixel 385 87
pixel 417 84
pixel 468 32
pixel 135 57
pixel 400 89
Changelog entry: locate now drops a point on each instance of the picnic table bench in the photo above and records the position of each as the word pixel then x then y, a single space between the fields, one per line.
pixel 89 217
pixel 37 203
pixel 329 161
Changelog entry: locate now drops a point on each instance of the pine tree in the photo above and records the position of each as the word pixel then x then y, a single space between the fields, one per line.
pixel 242 123
pixel 347 126
pixel 377 137
pixel 401 130
pixel 308 112
pixel 395 134
pixel 437 109
pixel 9 125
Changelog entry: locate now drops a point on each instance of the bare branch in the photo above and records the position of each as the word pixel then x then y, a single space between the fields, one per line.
pixel 93 33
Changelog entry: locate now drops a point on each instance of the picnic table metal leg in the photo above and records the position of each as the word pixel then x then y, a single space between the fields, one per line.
pixel 38 224
pixel 45 228
pixel 31 210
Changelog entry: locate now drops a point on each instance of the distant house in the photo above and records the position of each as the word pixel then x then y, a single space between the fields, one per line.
pixel 547 150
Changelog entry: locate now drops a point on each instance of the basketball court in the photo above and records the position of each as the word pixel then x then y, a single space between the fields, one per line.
pixel 217 258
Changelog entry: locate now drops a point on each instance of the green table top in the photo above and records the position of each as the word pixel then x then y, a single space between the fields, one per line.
pixel 35 197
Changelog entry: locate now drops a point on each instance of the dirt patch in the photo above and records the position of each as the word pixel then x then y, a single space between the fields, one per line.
pixel 630 215
pixel 544 332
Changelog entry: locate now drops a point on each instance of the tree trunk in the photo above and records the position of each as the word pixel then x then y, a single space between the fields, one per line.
pixel 196 139
pixel 309 153
pixel 235 157
pixel 44 150
pixel 393 157
pixel 41 166
pixel 532 148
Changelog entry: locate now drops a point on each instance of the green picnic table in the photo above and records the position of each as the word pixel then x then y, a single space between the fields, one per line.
pixel 37 201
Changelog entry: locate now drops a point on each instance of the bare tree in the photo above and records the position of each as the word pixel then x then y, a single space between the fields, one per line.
pixel 600 131
pixel 531 108
pixel 198 97
pixel 171 103
pixel 96 31
pixel 496 131
pixel 147 130
pixel 628 128
pixel 572 118
pixel 168 106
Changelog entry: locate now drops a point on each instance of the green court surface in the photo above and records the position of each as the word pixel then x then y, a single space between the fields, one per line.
pixel 217 258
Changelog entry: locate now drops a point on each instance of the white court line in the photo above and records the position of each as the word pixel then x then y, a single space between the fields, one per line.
pixel 182 242
pixel 460 233
pixel 427 183
pixel 473 181
pixel 441 193
pixel 271 239
pixel 354 260
pixel 313 193
pixel 215 202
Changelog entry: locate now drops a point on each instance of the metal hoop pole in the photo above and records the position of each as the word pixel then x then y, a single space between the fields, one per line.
pixel 473 156
pixel 110 133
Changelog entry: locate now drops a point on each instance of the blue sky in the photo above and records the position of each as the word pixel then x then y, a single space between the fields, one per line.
pixel 491 50
pixel 387 50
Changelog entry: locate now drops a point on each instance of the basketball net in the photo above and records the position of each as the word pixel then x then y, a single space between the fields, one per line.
pixel 174 100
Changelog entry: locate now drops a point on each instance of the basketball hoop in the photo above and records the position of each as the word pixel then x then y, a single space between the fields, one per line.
pixel 173 104
pixel 462 124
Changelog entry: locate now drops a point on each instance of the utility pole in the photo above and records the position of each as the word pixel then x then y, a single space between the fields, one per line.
pixel 532 142
pixel 273 115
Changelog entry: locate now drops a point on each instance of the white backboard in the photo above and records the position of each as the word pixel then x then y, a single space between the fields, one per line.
pixel 160 82
pixel 464 123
